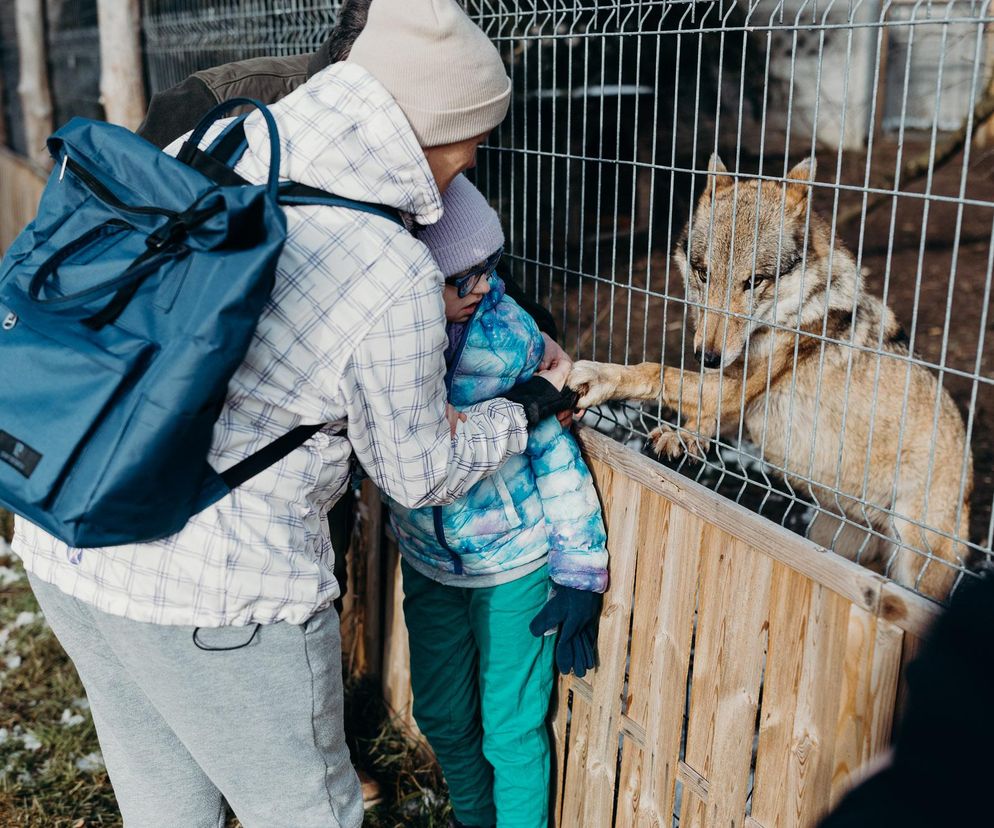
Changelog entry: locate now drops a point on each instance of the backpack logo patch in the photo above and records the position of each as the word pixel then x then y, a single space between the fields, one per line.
pixel 20 456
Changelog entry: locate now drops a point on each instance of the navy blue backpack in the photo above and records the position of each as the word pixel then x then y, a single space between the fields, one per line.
pixel 125 307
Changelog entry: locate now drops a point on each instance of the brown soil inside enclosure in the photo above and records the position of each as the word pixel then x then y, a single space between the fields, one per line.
pixel 619 299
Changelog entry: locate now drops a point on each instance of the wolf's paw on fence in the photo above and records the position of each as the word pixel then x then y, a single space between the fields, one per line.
pixel 667 442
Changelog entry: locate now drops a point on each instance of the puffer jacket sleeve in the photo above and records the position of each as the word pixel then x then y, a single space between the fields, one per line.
pixel 577 540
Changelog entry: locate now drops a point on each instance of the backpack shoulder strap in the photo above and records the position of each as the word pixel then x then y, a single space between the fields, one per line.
pixel 218 161
pixel 267 456
pixel 300 194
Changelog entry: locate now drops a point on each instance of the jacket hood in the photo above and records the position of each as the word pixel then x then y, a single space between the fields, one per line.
pixel 342 132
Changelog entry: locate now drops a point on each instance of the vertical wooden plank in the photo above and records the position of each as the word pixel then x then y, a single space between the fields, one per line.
pixel 790 598
pixel 33 88
pixel 728 664
pixel 575 787
pixel 870 672
pixel 665 599
pixel 656 556
pixel 608 679
pixel 560 719
pixel 122 90
pixel 575 790
pixel 909 652
pixel 397 692
pixel 806 749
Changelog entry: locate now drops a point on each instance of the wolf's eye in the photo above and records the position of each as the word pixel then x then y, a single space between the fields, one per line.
pixel 701 275
pixel 756 280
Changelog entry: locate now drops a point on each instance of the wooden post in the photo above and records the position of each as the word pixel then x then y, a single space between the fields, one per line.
pixel 122 91
pixel 3 114
pixel 36 99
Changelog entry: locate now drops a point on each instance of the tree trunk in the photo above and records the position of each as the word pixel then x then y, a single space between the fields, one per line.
pixel 36 99
pixel 122 91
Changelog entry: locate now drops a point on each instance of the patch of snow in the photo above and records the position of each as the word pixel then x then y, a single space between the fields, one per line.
pixel 25 618
pixel 12 662
pixel 90 763
pixel 4 735
pixel 9 576
pixel 70 719
pixel 30 741
pixel 82 703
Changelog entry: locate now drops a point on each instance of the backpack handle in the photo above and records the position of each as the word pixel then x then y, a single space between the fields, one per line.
pixel 193 142
pixel 146 264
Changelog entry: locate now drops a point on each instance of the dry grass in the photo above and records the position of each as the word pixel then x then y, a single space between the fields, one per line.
pixel 51 775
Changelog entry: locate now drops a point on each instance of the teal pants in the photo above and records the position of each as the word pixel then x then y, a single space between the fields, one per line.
pixel 482 685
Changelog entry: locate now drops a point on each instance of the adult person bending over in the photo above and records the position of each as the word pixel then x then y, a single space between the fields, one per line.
pixel 176 111
pixel 212 658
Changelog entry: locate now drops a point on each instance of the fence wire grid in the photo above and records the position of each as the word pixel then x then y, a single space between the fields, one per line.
pixel 879 447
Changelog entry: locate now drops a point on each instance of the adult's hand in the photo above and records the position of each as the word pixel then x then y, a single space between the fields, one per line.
pixel 553 357
pixel 553 354
pixel 557 374
pixel 454 417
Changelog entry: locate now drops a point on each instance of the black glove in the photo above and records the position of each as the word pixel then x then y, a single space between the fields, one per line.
pixel 577 611
pixel 541 399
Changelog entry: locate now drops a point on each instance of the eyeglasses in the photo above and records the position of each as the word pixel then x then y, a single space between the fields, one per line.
pixel 467 281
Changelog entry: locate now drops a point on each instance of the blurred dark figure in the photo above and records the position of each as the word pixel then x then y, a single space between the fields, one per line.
pixel 945 742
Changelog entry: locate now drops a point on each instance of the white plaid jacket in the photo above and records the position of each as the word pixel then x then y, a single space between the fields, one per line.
pixel 354 336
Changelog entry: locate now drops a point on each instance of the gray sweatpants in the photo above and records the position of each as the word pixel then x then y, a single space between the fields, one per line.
pixel 182 730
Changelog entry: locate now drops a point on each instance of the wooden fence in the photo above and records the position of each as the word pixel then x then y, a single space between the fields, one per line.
pixel 745 675
pixel 21 183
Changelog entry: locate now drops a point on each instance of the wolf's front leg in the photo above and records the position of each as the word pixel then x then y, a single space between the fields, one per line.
pixel 597 382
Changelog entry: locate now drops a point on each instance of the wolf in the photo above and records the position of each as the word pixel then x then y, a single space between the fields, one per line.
pixel 789 339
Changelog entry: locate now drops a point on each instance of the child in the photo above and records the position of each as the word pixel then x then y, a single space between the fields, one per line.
pixel 476 572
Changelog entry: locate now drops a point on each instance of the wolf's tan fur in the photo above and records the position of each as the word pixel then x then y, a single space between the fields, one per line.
pixel 832 413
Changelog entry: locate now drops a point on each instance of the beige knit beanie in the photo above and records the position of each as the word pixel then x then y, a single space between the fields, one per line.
pixel 442 70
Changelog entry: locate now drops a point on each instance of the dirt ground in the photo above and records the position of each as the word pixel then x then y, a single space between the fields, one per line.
pixel 628 304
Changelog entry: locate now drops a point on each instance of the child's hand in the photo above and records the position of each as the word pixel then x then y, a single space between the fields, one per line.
pixel 575 612
pixel 454 417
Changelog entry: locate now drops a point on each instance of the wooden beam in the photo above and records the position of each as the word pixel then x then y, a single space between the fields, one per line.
pixel 36 98
pixel 122 90
pixel 874 593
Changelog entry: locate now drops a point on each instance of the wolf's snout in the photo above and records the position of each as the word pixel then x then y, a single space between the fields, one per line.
pixel 709 359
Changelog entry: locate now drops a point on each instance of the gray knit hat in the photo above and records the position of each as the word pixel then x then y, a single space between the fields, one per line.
pixel 468 232
pixel 442 70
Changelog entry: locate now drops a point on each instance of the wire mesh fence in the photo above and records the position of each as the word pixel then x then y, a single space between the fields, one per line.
pixel 824 340
pixel 825 356
pixel 186 36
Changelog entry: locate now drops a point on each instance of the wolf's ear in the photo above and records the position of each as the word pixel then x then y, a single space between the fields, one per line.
pixel 718 178
pixel 799 183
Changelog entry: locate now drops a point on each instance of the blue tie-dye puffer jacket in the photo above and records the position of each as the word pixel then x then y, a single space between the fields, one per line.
pixel 541 503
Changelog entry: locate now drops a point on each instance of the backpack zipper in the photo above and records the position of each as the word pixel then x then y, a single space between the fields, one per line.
pixel 100 191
